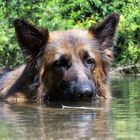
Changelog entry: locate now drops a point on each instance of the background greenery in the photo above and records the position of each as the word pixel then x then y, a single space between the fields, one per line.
pixel 64 14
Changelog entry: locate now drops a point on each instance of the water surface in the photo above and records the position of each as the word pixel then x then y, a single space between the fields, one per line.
pixel 118 119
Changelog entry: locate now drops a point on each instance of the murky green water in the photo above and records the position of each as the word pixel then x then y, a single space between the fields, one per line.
pixel 118 119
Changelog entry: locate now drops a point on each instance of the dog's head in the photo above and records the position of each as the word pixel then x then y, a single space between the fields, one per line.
pixel 71 64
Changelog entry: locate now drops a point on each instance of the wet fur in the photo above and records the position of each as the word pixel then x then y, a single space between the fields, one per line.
pixel 36 80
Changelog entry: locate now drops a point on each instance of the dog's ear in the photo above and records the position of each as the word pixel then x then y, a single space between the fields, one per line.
pixel 105 31
pixel 30 38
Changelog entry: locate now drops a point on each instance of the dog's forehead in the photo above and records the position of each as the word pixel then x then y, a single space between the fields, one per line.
pixel 71 38
pixel 71 42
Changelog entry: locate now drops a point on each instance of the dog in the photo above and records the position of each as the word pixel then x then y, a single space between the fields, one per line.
pixel 71 65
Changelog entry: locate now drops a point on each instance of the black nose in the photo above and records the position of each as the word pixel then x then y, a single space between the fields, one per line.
pixel 86 91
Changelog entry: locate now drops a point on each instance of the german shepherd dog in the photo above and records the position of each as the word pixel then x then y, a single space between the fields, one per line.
pixel 69 65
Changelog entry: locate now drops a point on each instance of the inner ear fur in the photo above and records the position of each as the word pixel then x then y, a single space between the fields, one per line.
pixel 105 31
pixel 30 38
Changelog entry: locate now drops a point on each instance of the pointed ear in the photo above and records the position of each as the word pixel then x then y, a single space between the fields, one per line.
pixel 105 31
pixel 30 38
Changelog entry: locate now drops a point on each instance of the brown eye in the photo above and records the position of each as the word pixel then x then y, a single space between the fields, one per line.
pixel 62 63
pixel 90 61
pixel 58 63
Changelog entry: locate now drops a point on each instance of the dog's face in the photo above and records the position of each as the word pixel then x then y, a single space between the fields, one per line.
pixel 69 58
pixel 71 64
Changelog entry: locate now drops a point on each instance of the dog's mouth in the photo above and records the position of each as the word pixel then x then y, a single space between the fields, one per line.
pixel 67 96
pixel 88 97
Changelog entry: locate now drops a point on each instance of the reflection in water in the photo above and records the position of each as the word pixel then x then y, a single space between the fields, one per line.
pixel 32 121
pixel 118 119
pixel 126 108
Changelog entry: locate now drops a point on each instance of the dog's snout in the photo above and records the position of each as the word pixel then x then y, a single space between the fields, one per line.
pixel 86 90
pixel 78 90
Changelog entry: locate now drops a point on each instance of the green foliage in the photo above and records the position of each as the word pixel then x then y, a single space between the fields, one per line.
pixel 65 14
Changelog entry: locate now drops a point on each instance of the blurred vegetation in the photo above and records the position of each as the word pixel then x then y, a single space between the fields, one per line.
pixel 65 14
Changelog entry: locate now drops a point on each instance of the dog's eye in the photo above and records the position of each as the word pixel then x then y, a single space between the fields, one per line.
pixel 90 61
pixel 58 63
pixel 61 63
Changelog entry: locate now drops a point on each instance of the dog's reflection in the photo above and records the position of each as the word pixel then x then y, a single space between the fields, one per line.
pixel 30 121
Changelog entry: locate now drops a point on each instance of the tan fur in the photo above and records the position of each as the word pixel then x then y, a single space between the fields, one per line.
pixel 61 56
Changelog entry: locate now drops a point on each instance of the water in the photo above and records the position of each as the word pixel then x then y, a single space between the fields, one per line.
pixel 117 119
